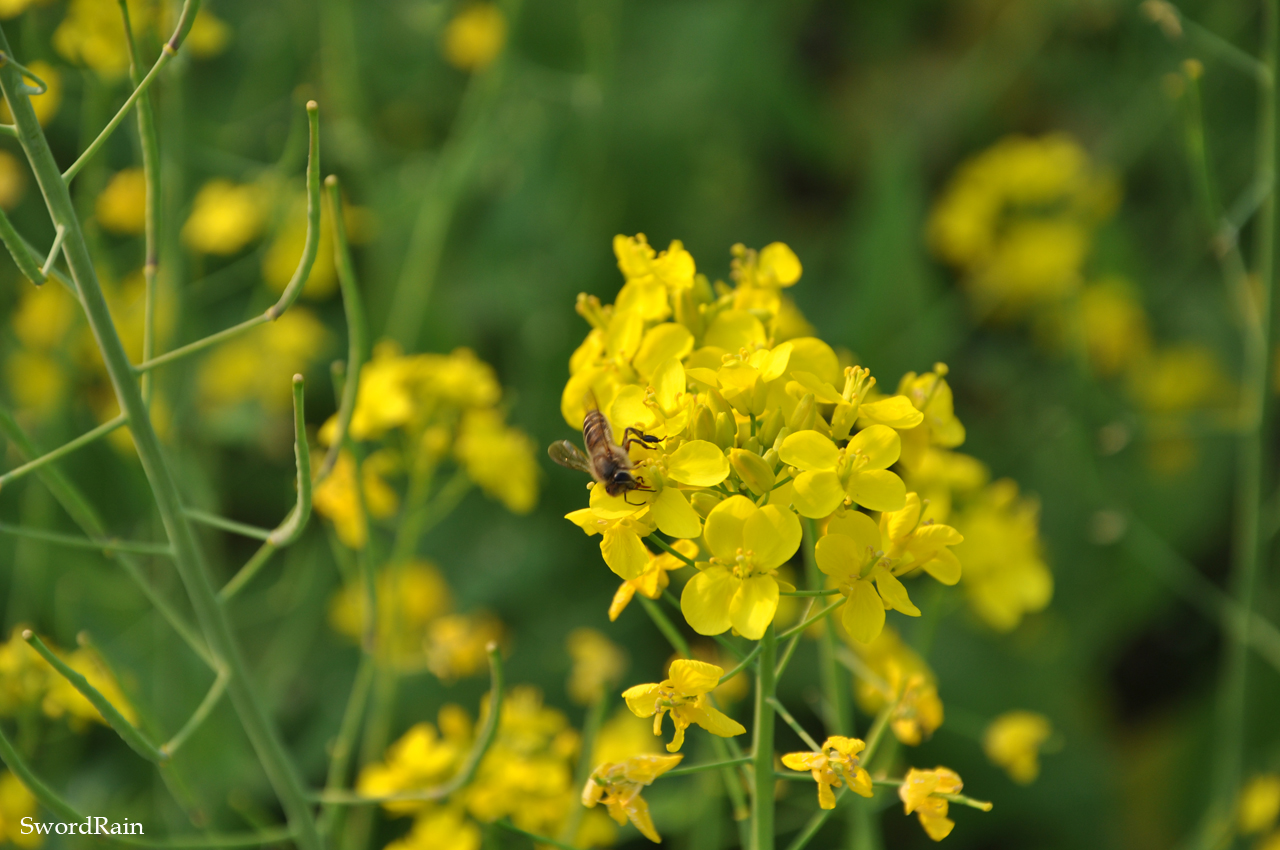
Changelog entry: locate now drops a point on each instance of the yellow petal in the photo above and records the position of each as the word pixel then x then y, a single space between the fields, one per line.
pixel 859 526
pixel 863 614
pixel 935 536
pixel 778 264
pixel 809 450
pixel 810 354
pixel 624 553
pixel 646 768
pixel 804 761
pixel 640 699
pixel 587 520
pixel 944 566
pixel 818 493
pixel 822 391
pixel 715 722
pixel 705 600
pixel 723 532
pixel 629 410
pixel 668 384
pixel 894 593
pixel 698 463
pixel 644 296
pixel 880 444
pixel 703 375
pixel 623 336
pixel 862 783
pixel 735 329
pixel 773 534
pixel 895 412
pixel 754 605
pixel 662 343
pixel 621 599
pixel 694 678
pixel 898 524
pixel 826 799
pixel 638 812
pixel 737 375
pixel 840 556
pixel 674 515
pixel 775 364
pixel 877 490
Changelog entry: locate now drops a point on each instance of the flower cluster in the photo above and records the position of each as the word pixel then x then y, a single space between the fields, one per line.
pixel 26 679
pixel 1014 740
pixel 685 696
pixel 832 766
pixel 417 411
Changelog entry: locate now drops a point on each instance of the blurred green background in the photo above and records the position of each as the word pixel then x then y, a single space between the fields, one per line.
pixel 831 126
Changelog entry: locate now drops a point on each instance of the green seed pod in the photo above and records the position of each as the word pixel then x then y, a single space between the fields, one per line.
pixel 753 471
pixel 769 427
pixel 801 419
pixel 704 424
pixel 726 430
pixel 703 502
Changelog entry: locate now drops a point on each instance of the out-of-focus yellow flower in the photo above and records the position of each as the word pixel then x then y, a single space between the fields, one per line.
pixel 653 580
pixel 24 675
pixel 443 828
pixel 14 8
pixel 16 803
pixel 225 217
pixel 13 180
pixel 622 736
pixel 1114 327
pixel 891 661
pixel 920 793
pixel 208 37
pixel 259 365
pixel 63 699
pixel 1014 739
pixel 684 697
pixel 337 499
pixel 91 34
pixel 618 786
pixel 499 458
pixel 833 765
pixel 282 256
pixel 597 664
pixel 918 712
pixel 1005 575
pixel 457 644
pixel 45 105
pixel 43 317
pixel 122 206
pixel 475 36
pixel 409 596
pixel 1180 379
pixel 423 757
pixel 37 382
pixel 1259 804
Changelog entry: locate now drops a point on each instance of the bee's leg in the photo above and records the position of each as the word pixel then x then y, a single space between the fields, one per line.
pixel 635 435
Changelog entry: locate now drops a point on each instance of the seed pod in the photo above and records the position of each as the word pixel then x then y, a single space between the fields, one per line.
pixel 769 426
pixel 704 424
pixel 801 419
pixel 753 471
pixel 726 430
pixel 703 502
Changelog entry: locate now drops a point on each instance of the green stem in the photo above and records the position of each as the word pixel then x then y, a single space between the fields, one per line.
pixel 795 726
pixel 224 524
pixel 202 343
pixel 188 558
pixel 742 665
pixel 762 746
pixel 809 621
pixel 792 645
pixel 247 572
pixel 202 712
pixel 535 837
pixel 22 257
pixel 107 545
pixel 832 592
pixel 126 730
pixel 590 728
pixel 668 629
pixel 699 768
pixel 63 450
pixel 295 523
pixel 344 745
pixel 670 550
pixel 303 271
pixel 835 688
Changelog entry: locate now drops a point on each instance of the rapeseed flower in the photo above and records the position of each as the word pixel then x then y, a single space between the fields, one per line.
pixel 91 34
pixel 225 217
pixel 922 792
pixel 421 758
pixel 457 644
pixel 1113 327
pixel 410 597
pixel 337 498
pixel 122 205
pixel 498 458
pixel 234 373
pixel 24 675
pixel 17 803
pixel 475 36
pixel 597 664
pixel 440 828
pixel 684 697
pixel 653 579
pixel 622 736
pixel 832 766
pixel 917 712
pixel 13 181
pixel 1259 804
pixel 1014 740
pixel 618 786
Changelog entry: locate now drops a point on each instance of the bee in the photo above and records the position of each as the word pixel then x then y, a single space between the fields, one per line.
pixel 605 461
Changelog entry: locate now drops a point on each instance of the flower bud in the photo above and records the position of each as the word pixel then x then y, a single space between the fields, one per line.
pixel 753 471
pixel 759 397
pixel 771 458
pixel 769 427
pixel 726 430
pixel 842 420
pixel 703 502
pixel 801 419
pixel 752 444
pixel 704 424
pixel 783 433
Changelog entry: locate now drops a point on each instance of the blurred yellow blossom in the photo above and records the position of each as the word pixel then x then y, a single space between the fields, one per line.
pixel 92 33
pixel 442 828
pixel 1259 804
pixel 259 366
pixel 475 36
pixel 13 180
pixel 622 736
pixel 45 105
pixel 457 644
pixel 225 217
pixel 684 696
pixel 421 758
pixel 917 712
pixel 122 206
pixel 1014 740
pixel 1005 575
pixel 618 786
pixel 14 8
pixel 410 597
pixel 62 699
pixel 336 497
pixel 24 675
pixel 836 762
pixel 499 458
pixel 17 803
pixel 209 35
pixel 1113 326
pixel 598 663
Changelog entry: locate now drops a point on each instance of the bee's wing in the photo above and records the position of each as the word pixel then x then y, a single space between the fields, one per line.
pixel 566 454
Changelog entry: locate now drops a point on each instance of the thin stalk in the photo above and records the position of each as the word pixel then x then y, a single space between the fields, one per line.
pixel 188 558
pixel 73 541
pixel 670 550
pixel 129 733
pixel 809 621
pixel 53 252
pixel 832 592
pixel 344 745
pixel 699 768
pixel 224 524
pixel 533 836
pixel 762 746
pixel 22 257
pixel 668 629
pixel 815 823
pixel 63 450
pixel 835 688
pixel 202 343
pixel 792 644
pixel 202 712
pixel 795 726
pixel 742 665
pixel 295 523
pixel 247 572
pixel 309 247
pixel 590 728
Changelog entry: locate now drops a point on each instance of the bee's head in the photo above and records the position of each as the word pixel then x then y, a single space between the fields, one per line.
pixel 622 481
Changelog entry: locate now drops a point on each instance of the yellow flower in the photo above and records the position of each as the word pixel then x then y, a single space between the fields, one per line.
pixel 831 766
pixel 475 36
pixel 859 472
pixel 499 458
pixel 931 395
pixel 457 644
pixel 37 382
pixel 410 597
pixel 653 579
pixel 893 662
pixel 618 786
pixel 225 217
pixel 16 803
pixel 337 499
pixel 1014 739
pixel 421 758
pixel 1113 326
pixel 121 208
pixel 62 699
pixel 14 8
pixel 1005 573
pixel 24 675
pixel 738 588
pixel 597 664
pixel 45 105
pixel 13 181
pixel 282 256
pixel 920 793
pixel 91 34
pixel 208 37
pixel 620 526
pixel 622 736
pixel 917 713
pixel 43 317
pixel 684 697
pixel 258 366
pixel 1259 804
pixel 444 828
